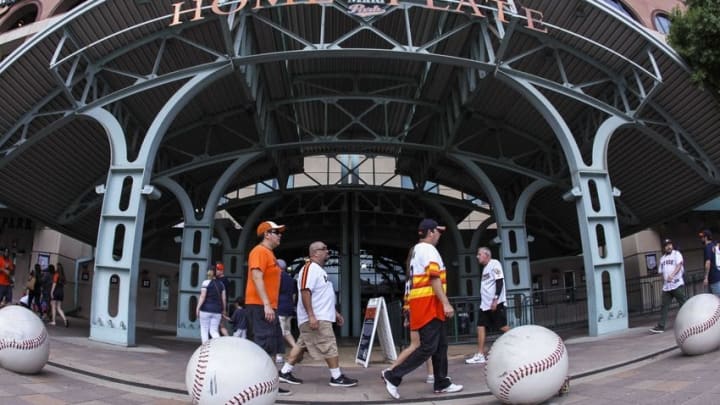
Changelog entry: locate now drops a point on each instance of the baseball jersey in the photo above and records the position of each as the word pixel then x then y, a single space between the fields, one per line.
pixel 314 278
pixel 425 264
pixel 668 262
pixel 491 272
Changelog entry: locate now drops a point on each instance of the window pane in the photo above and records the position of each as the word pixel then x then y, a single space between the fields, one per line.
pixel 662 23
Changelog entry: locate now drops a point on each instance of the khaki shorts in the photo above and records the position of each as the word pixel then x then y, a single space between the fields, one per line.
pixel 320 343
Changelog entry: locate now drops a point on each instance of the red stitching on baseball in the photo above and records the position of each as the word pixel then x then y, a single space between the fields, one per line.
pixel 699 328
pixel 254 391
pixel 200 368
pixel 514 376
pixel 27 344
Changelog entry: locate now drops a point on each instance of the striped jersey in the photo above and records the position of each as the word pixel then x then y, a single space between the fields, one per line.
pixel 425 264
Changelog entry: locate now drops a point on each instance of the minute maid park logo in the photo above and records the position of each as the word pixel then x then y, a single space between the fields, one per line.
pixel 192 10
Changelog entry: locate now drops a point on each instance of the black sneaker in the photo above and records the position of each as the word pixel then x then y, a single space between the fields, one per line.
pixel 289 378
pixel 657 329
pixel 283 392
pixel 343 381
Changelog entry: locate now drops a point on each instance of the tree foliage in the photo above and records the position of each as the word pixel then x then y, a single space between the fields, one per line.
pixel 695 35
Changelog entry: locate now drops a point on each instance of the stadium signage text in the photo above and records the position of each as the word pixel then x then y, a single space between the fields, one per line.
pixel 192 10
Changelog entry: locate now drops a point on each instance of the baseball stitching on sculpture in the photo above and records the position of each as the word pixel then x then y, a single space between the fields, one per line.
pixel 200 369
pixel 514 376
pixel 699 328
pixel 27 344
pixel 254 391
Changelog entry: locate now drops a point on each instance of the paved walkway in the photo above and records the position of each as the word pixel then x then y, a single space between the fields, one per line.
pixel 630 367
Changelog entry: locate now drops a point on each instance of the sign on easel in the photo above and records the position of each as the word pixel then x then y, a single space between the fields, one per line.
pixel 376 321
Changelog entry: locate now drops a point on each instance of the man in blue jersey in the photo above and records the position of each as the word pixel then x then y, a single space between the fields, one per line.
pixel 711 253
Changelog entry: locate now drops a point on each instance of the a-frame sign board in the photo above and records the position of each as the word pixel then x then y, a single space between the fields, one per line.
pixel 376 321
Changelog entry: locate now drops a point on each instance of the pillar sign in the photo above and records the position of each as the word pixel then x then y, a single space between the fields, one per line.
pixel 376 321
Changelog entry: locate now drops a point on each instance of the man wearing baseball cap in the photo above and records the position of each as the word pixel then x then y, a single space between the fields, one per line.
pixel 429 308
pixel 220 277
pixel 711 256
pixel 672 270
pixel 262 291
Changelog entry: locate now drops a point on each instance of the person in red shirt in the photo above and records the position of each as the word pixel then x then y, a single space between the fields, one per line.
pixel 7 268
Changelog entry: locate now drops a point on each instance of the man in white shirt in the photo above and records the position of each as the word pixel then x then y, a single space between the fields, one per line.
pixel 672 269
pixel 492 302
pixel 316 314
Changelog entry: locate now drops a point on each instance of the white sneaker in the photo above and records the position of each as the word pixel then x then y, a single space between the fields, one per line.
pixel 476 359
pixel 391 389
pixel 449 389
pixel 430 379
pixel 279 359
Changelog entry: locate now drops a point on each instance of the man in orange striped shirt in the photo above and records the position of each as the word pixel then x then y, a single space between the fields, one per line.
pixel 429 308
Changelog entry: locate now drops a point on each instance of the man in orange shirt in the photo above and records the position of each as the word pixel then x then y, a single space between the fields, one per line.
pixel 6 271
pixel 429 308
pixel 262 291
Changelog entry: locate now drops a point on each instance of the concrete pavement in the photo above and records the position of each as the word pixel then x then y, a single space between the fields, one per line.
pixel 629 367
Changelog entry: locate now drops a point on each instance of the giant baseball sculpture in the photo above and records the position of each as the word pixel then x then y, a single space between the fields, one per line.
pixel 231 370
pixel 24 344
pixel 527 365
pixel 697 325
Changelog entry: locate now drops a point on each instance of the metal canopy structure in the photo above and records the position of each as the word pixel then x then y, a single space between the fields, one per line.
pixel 126 117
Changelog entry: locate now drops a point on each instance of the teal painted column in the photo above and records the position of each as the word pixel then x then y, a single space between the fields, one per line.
pixel 602 252
pixel 515 259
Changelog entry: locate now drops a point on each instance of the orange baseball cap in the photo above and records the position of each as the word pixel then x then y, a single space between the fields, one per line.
pixel 267 226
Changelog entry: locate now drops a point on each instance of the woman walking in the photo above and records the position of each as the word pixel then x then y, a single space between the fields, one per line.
pixel 57 293
pixel 211 306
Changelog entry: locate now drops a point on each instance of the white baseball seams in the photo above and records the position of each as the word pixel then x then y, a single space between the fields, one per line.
pixel 514 376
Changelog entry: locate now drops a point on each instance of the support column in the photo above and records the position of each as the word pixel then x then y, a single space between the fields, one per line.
pixel 233 257
pixel 194 263
pixel 516 258
pixel 112 313
pixel 516 266
pixel 602 247
pixel 350 299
